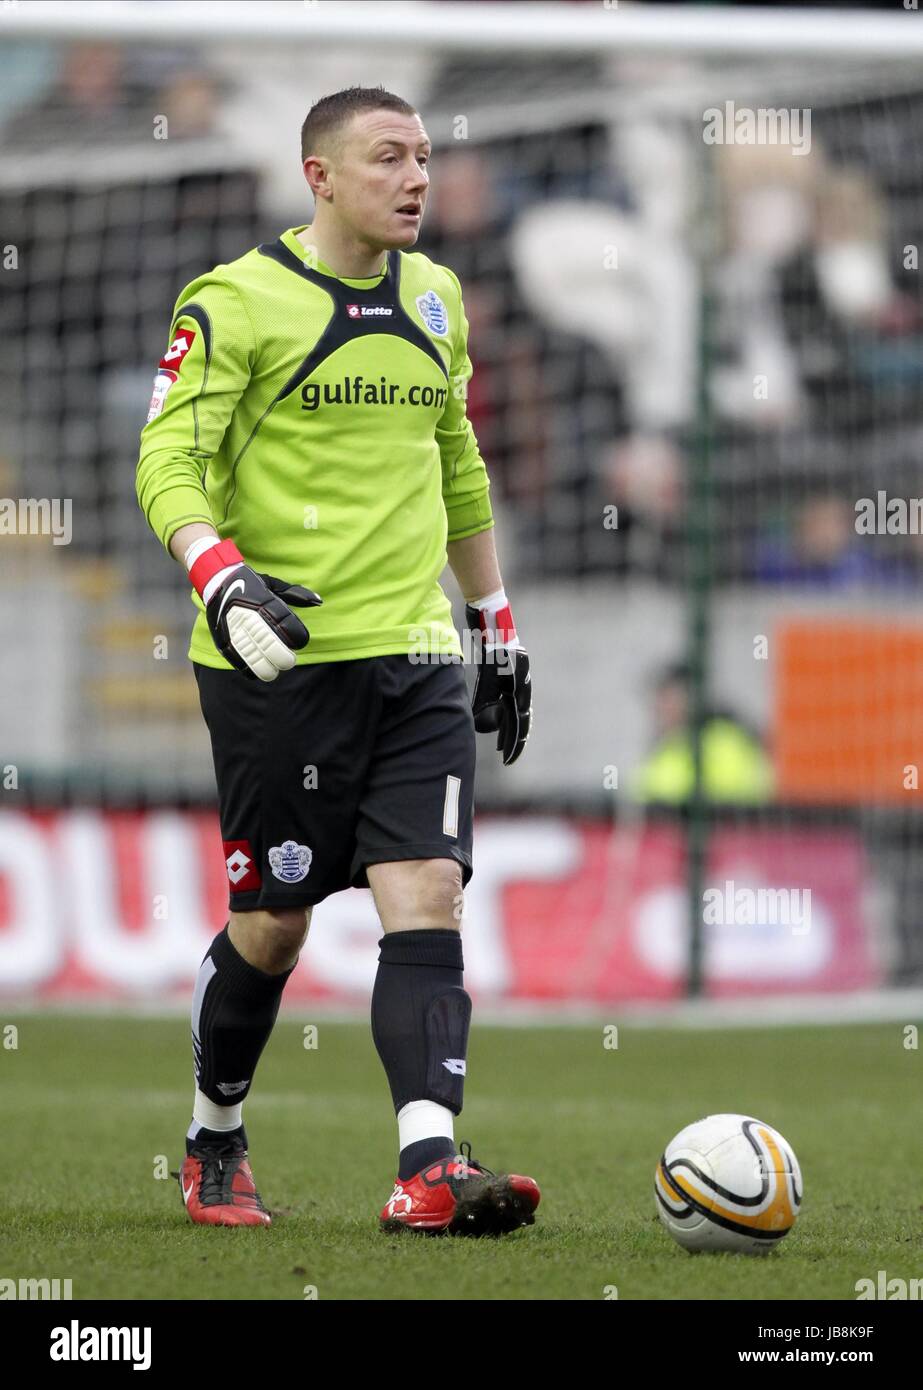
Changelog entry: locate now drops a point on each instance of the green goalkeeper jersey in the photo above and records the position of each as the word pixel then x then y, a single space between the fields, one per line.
pixel 320 424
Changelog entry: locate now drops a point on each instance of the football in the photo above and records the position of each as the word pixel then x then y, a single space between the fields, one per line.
pixel 728 1182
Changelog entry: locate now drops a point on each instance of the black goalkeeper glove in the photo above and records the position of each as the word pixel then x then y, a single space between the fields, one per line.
pixel 248 613
pixel 502 699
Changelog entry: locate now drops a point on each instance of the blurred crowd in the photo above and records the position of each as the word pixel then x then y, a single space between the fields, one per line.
pixel 642 306
pixel 589 386
pixel 577 250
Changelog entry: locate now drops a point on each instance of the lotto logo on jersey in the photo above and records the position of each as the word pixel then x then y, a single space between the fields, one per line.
pixel 243 870
pixel 173 357
pixel 368 311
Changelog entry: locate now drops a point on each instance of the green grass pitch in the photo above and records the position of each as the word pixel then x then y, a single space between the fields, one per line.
pixel 90 1103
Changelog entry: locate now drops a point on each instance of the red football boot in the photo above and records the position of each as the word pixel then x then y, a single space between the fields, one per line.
pixel 460 1197
pixel 218 1187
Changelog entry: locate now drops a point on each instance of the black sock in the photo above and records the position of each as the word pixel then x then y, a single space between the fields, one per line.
pixel 234 1008
pixel 216 1137
pixel 422 1154
pixel 420 1018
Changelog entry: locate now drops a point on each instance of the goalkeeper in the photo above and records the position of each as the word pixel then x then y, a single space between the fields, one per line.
pixel 308 458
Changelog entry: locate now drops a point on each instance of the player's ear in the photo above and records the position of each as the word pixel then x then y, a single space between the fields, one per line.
pixel 316 175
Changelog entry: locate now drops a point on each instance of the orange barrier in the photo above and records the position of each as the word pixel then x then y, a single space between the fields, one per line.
pixel 848 711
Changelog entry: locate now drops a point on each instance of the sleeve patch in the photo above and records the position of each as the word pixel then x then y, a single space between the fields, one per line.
pixel 169 369
pixel 173 357
pixel 162 383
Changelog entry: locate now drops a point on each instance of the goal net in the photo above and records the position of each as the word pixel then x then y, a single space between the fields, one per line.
pixel 688 244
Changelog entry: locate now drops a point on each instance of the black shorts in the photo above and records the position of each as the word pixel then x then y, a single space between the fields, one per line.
pixel 335 766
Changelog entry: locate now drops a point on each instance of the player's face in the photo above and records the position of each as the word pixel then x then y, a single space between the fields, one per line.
pixel 382 180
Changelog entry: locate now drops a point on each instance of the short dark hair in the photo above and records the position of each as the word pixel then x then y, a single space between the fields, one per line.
pixel 328 116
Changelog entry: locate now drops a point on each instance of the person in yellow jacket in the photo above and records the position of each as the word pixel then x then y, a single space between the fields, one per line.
pixel 735 765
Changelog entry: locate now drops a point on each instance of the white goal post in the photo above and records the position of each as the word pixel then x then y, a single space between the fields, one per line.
pixel 541 26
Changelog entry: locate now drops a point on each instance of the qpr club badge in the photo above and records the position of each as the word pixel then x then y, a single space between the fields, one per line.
pixel 433 313
pixel 290 862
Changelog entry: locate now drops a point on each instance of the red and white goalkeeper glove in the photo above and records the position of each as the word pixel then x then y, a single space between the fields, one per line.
pixel 248 614
pixel 502 699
